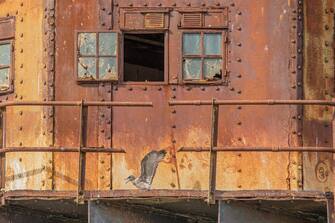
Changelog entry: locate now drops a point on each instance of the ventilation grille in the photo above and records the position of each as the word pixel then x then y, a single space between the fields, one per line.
pixel 192 20
pixel 154 20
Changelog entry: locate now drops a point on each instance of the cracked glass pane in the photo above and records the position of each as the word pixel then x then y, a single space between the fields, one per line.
pixel 191 44
pixel 107 68
pixel 4 79
pixel 213 69
pixel 213 43
pixel 87 68
pixel 107 44
pixel 192 69
pixel 87 44
pixel 5 54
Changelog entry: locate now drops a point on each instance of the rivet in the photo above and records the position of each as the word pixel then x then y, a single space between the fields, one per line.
pixel 130 4
pixel 130 89
pixel 239 107
pixel 232 89
pixel 239 28
pixel 173 111
pixel 20 128
pixel 239 12
pixel 21 35
pixel 239 170
pixel 173 126
pixel 145 88
pixel 188 4
pixel 203 88
pixel 239 92
pixel 239 44
pixel 21 19
pixel 203 4
pixel 239 60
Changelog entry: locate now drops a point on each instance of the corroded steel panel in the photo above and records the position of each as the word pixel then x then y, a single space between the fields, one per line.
pixel 25 125
pixel 318 83
pixel 258 67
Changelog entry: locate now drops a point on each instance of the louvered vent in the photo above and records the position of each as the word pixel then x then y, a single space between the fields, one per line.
pixel 154 20
pixel 192 20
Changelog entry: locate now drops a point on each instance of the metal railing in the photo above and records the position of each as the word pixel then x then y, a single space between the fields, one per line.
pixel 82 149
pixel 213 149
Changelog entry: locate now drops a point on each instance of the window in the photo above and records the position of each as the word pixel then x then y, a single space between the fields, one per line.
pixel 5 65
pixel 144 57
pixel 6 54
pixel 97 56
pixel 203 56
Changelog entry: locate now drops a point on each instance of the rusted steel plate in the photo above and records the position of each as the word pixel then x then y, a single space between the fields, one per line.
pixel 318 83
pixel 136 129
pixel 71 16
pixel 26 170
pixel 263 27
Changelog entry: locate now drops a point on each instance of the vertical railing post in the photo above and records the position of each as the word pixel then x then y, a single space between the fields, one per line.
pixel 3 155
pixel 82 155
pixel 212 152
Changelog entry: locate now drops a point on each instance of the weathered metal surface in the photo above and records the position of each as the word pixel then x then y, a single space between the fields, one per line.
pixel 261 58
pixel 251 77
pixel 26 170
pixel 318 83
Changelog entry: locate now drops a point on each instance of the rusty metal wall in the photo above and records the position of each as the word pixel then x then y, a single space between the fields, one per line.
pixel 264 60
pixel 25 126
pixel 262 63
pixel 318 83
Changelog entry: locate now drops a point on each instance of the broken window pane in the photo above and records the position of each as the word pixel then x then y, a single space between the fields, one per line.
pixel 213 69
pixel 213 43
pixel 107 68
pixel 87 43
pixel 191 44
pixel 192 69
pixel 4 79
pixel 87 68
pixel 5 54
pixel 107 44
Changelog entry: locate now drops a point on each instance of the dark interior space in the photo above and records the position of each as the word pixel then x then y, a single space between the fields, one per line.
pixel 144 57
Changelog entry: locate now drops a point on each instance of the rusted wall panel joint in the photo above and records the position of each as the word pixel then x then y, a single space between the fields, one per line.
pixel 48 71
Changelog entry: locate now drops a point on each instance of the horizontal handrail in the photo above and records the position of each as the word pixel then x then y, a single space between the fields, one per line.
pixel 76 103
pixel 253 102
pixel 62 149
pixel 258 149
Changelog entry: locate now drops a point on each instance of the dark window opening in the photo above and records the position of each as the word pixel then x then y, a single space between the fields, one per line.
pixel 144 57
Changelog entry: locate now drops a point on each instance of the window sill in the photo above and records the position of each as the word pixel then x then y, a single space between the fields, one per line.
pixel 219 82
pixel 81 81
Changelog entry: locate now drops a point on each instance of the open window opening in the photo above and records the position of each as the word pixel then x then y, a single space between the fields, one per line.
pixel 144 57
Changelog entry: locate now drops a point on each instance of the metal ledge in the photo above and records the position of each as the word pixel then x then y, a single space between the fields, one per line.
pixel 177 194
